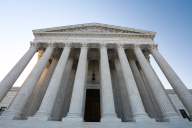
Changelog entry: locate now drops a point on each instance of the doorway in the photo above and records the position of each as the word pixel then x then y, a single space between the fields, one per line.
pixel 92 106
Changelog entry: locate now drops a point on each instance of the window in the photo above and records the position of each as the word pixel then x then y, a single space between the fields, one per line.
pixel 184 114
pixel 2 110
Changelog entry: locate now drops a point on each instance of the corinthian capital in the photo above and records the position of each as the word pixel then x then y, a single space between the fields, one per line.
pixel 52 45
pixel 40 54
pixel 152 46
pixel 35 45
pixel 136 47
pixel 103 45
pixel 68 45
pixel 148 58
pixel 120 46
pixel 84 46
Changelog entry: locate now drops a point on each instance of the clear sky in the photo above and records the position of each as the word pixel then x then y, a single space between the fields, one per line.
pixel 171 19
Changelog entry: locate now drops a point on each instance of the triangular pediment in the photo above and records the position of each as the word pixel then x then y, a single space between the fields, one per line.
pixel 93 28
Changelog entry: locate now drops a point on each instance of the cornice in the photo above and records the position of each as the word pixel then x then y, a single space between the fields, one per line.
pixel 92 35
pixel 102 26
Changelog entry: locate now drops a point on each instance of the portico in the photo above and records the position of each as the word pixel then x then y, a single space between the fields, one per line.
pixel 89 68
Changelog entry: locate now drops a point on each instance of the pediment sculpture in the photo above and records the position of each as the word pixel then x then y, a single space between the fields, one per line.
pixel 93 29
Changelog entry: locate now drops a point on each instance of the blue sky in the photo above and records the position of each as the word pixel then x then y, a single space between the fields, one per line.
pixel 171 19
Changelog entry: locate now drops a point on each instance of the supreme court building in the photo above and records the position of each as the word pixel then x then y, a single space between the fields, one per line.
pixel 94 73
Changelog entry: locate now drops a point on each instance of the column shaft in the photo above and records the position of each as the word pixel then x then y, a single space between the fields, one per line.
pixel 137 107
pixel 16 108
pixel 123 92
pixel 117 96
pixel 178 86
pixel 28 103
pixel 84 98
pixel 45 110
pixel 108 108
pixel 39 56
pixel 114 94
pixel 57 109
pixel 154 102
pixel 76 105
pixel 68 94
pixel 101 106
pixel 142 90
pixel 35 92
pixel 164 104
pixel 39 97
pixel 16 71
pixel 165 90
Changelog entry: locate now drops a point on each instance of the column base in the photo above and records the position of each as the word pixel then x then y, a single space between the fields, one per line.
pixel 74 117
pixel 55 119
pixel 111 117
pixel 128 120
pixel 144 120
pixel 178 120
pixel 172 117
pixel 11 115
pixel 9 118
pixel 158 120
pixel 190 116
pixel 142 117
pixel 39 118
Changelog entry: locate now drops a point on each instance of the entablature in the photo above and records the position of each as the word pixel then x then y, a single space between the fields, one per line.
pixel 94 33
pixel 93 44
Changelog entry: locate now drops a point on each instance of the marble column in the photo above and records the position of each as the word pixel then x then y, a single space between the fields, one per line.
pixel 39 56
pixel 108 107
pixel 76 105
pixel 138 111
pixel 101 106
pixel 116 93
pixel 141 87
pixel 123 92
pixel 167 110
pixel 46 107
pixel 178 86
pixel 39 97
pixel 16 71
pixel 68 94
pixel 154 102
pixel 35 91
pixel 148 57
pixel 85 90
pixel 57 109
pixel 20 101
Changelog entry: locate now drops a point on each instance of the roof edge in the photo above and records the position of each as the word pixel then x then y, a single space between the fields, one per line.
pixel 92 24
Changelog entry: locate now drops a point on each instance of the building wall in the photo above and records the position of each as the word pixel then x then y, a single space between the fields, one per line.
pixel 9 97
pixel 178 104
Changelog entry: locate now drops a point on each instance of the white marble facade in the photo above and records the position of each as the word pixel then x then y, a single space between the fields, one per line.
pixel 130 90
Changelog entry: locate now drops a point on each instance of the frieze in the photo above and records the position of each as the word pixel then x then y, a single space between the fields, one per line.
pixel 140 38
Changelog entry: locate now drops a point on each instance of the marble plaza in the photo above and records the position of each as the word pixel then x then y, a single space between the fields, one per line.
pixel 94 73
